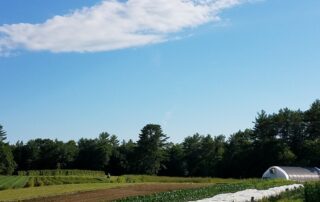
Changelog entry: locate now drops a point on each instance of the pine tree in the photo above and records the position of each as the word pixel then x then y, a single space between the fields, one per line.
pixel 150 149
pixel 2 134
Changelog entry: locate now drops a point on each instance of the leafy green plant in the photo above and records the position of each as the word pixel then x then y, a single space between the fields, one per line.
pixel 312 192
pixel 30 182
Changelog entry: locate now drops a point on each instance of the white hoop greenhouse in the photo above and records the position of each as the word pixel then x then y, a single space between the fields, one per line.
pixel 300 174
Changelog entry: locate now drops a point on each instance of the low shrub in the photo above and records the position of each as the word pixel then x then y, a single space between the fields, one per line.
pixel 22 173
pixel 312 192
pixel 39 182
pixel 121 179
pixel 30 182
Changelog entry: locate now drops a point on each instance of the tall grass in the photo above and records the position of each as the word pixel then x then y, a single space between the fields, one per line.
pixel 13 182
pixel 8 182
pixel 312 192
pixel 62 173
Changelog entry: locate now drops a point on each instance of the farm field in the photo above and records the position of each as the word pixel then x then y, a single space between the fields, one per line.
pixel 124 190
pixel 207 191
pixel 164 190
pixel 14 182
pixel 46 191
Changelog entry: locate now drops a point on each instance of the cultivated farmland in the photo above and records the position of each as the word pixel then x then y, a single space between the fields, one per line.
pixel 124 188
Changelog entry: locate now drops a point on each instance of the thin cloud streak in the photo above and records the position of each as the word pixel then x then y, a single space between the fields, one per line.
pixel 112 25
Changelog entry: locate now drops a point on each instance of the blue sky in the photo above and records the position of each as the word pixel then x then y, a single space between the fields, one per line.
pixel 210 76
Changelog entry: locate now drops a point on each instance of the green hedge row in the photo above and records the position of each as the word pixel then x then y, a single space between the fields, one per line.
pixel 61 173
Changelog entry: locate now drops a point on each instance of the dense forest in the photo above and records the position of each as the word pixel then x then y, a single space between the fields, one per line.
pixel 288 137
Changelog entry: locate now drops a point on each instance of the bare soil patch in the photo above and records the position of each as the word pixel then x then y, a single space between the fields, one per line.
pixel 118 193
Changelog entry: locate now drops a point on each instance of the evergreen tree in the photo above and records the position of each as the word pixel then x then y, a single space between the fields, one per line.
pixel 7 163
pixel 2 134
pixel 151 149
pixel 312 117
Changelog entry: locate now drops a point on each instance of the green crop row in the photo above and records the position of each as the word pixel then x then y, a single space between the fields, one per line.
pixel 12 182
pixel 61 173
pixel 206 192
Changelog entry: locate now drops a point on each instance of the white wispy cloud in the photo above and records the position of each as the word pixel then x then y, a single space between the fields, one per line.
pixel 112 24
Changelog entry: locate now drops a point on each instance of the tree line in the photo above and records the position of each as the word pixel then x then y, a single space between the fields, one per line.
pixel 286 138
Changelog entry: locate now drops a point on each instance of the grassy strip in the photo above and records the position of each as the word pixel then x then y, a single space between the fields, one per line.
pixel 13 182
pixel 206 192
pixel 8 182
pixel 46 191
pixel 62 173
pixel 20 183
pixel 312 192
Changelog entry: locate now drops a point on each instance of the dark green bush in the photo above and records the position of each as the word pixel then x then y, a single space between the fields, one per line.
pixel 312 192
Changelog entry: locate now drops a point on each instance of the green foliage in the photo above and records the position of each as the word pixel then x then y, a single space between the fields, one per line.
pixel 239 150
pixel 8 182
pixel 7 163
pixel 30 182
pixel 2 134
pixel 287 138
pixel 13 182
pixel 203 155
pixel 62 173
pixel 45 154
pixel 95 154
pixel 205 192
pixel 312 117
pixel 123 159
pixel 151 149
pixel 312 192
pixel 175 164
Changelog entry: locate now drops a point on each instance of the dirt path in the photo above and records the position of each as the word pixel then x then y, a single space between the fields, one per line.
pixel 117 193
